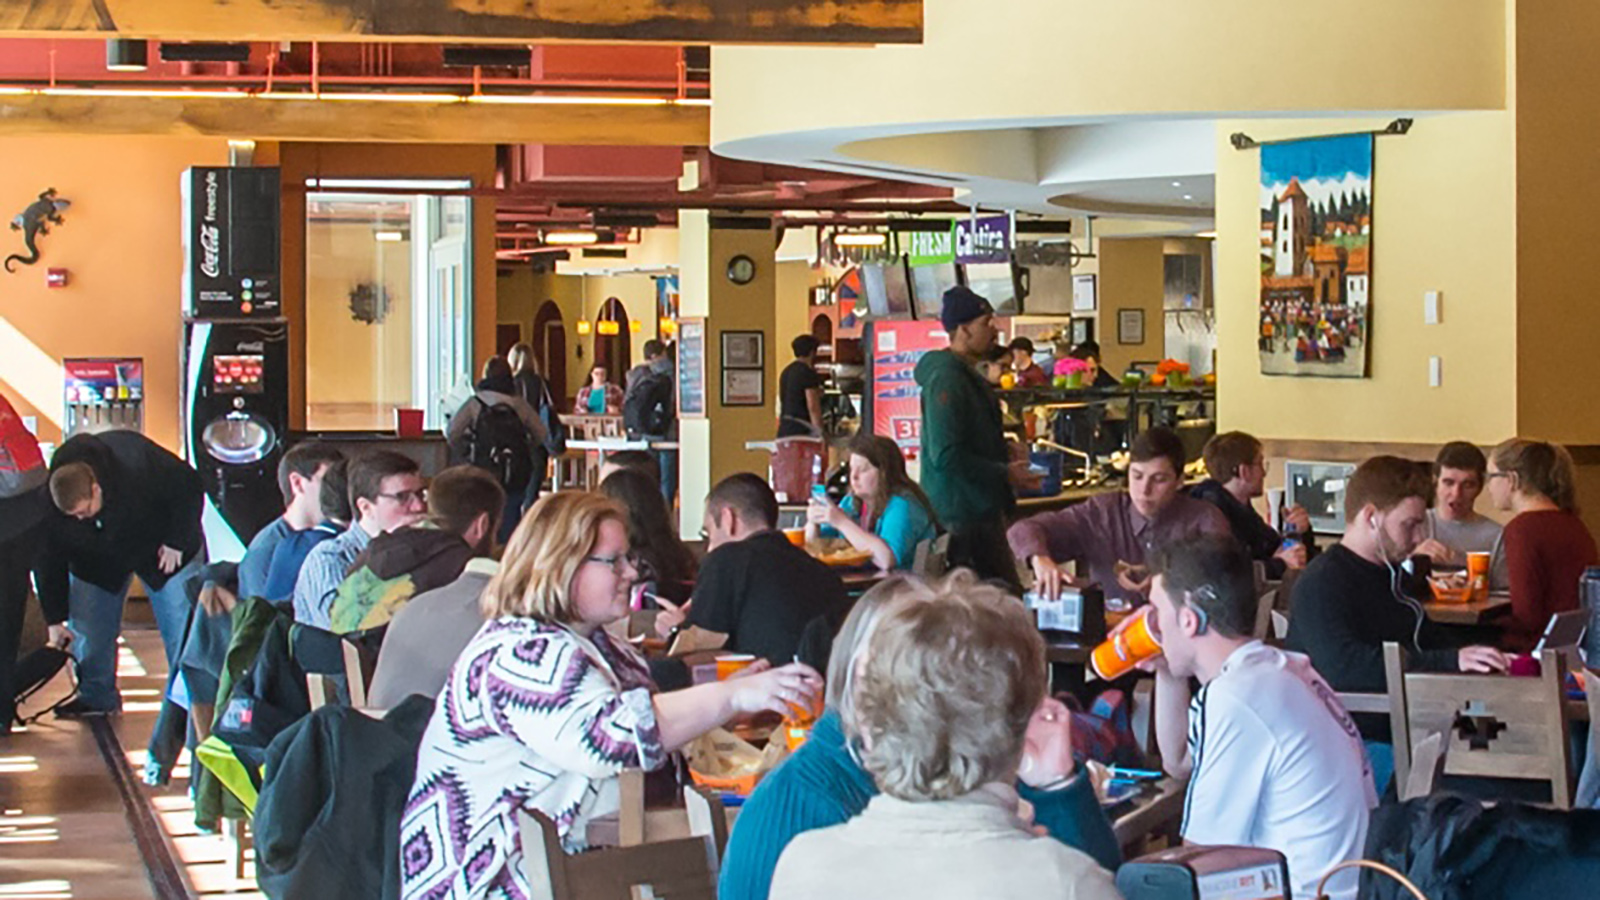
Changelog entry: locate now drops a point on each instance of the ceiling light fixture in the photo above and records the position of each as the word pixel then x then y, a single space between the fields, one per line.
pixel 1177 184
pixel 1188 196
pixel 860 239
pixel 389 237
pixel 571 237
pixel 124 55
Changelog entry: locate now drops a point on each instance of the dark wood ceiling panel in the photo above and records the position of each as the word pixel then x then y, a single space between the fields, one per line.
pixel 703 21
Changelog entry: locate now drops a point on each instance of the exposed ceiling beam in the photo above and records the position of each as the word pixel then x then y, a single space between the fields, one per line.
pixel 353 120
pixel 690 21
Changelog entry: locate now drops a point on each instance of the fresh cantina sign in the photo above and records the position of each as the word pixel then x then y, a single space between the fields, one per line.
pixel 981 239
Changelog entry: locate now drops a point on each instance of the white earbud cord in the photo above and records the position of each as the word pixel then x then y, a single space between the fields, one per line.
pixel 1394 587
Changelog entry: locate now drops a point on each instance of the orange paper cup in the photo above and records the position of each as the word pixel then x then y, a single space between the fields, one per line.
pixel 796 536
pixel 1478 573
pixel 1121 652
pixel 730 663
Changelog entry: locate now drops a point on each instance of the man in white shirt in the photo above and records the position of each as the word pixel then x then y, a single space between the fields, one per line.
pixel 1273 759
pixel 1454 526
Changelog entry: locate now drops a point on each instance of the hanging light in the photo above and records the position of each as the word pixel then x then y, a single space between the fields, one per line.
pixel 635 325
pixel 571 237
pixel 584 327
pixel 860 239
pixel 608 327
pixel 668 326
pixel 124 55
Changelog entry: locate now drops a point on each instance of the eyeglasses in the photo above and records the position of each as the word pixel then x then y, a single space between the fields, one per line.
pixel 618 564
pixel 420 495
pixel 1494 475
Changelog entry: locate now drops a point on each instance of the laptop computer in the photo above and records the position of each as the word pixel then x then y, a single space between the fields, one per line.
pixel 1563 633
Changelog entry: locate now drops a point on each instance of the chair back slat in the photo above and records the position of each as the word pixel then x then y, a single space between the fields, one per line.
pixel 1493 726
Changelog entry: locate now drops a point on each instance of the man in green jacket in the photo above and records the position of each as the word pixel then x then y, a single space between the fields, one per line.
pixel 967 470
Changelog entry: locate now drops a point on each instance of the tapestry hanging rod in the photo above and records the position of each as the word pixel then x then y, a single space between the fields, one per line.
pixel 1242 141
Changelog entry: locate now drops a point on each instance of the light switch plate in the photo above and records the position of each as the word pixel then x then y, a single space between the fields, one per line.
pixel 1435 371
pixel 1430 308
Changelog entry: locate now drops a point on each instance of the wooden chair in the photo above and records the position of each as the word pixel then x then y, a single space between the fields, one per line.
pixel 322 688
pixel 933 557
pixel 681 869
pixel 1265 602
pixel 1494 726
pixel 1427 764
pixel 702 815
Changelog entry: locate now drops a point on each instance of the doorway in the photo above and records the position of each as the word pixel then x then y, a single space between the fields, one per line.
pixel 613 344
pixel 550 349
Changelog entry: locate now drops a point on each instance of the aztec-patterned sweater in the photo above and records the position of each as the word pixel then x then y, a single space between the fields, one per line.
pixel 533 717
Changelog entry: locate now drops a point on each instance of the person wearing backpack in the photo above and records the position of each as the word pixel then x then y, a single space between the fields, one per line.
pixel 23 505
pixel 498 431
pixel 649 410
pixel 533 389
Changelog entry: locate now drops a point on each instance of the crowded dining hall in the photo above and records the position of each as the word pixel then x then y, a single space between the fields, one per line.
pixel 825 450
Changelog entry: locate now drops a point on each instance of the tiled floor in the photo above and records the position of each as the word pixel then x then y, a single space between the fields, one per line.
pixel 64 827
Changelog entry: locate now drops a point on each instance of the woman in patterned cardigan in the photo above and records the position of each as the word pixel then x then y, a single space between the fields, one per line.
pixel 543 708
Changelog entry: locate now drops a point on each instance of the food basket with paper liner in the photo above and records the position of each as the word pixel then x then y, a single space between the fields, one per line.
pixel 724 762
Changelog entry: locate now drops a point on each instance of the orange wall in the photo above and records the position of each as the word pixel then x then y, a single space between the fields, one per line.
pixel 121 244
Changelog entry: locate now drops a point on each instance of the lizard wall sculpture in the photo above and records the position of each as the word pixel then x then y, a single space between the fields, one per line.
pixel 34 221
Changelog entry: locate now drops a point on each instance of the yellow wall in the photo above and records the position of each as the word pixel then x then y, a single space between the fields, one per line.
pixel 793 318
pixel 579 297
pixel 1146 56
pixel 1443 219
pixel 1130 278
pixel 351 364
pixel 120 245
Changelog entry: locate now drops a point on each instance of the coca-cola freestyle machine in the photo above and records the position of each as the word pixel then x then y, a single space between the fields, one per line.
pixel 236 349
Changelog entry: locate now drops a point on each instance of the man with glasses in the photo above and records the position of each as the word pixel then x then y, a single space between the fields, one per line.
pixel 386 493
pixel 465 504
pixel 1238 471
pixel 755 586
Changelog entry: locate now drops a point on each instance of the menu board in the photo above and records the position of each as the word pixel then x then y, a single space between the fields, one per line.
pixel 692 368
pixel 897 347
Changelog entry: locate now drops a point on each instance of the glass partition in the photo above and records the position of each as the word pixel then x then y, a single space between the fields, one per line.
pixel 388 308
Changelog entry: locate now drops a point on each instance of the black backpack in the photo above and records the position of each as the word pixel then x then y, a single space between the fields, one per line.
pixel 498 442
pixel 646 407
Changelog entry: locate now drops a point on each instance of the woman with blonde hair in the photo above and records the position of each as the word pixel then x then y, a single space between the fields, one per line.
pixel 1545 545
pixel 543 709
pixel 823 783
pixel 945 701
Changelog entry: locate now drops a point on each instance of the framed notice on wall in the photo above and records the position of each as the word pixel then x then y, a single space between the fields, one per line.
pixel 692 368
pixel 742 349
pixel 1084 296
pixel 1130 326
pixel 744 387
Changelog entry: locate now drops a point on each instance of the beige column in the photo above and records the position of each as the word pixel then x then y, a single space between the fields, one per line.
pixel 712 448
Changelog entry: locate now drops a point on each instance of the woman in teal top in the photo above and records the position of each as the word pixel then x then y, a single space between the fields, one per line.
pixel 886 514
pixel 822 784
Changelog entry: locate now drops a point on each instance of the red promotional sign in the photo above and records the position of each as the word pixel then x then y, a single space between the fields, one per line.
pixel 897 346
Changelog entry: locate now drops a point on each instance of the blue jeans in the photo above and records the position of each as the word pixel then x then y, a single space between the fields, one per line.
pixel 668 461
pixel 95 617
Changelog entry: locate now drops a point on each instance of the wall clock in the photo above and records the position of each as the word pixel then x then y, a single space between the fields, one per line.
pixel 741 269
